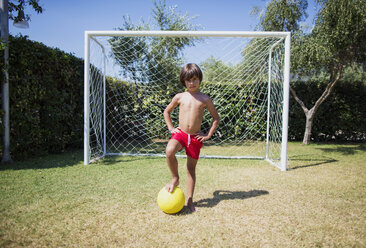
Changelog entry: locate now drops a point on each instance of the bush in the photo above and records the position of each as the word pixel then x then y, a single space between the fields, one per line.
pixel 46 98
pixel 340 118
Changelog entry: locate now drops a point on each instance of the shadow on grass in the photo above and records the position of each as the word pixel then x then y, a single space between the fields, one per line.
pixel 223 195
pixel 346 150
pixel 110 160
pixel 70 158
pixel 305 161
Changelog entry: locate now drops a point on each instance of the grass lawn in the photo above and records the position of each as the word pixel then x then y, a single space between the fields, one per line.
pixel 56 201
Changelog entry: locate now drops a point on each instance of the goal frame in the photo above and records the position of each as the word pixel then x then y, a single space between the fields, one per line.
pixel 286 36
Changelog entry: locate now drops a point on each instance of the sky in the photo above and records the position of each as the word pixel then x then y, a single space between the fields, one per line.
pixel 63 23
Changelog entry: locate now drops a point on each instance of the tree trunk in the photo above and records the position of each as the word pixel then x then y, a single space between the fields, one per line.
pixel 335 76
pixel 308 125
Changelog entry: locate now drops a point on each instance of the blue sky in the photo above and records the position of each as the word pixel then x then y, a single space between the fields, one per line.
pixel 62 24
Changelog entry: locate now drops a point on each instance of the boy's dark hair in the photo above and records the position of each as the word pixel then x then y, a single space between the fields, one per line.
pixel 189 71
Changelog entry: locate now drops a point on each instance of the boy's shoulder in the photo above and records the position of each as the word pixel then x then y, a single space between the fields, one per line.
pixel 204 97
pixel 178 95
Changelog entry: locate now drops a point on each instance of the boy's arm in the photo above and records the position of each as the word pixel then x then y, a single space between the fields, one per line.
pixel 171 106
pixel 215 122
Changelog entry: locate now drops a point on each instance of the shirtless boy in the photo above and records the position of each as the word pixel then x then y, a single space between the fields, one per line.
pixel 188 135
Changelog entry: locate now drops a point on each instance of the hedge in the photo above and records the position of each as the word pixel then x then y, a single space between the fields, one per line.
pixel 46 98
pixel 342 117
pixel 140 103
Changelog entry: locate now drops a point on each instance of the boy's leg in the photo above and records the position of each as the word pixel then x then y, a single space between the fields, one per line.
pixel 191 181
pixel 171 149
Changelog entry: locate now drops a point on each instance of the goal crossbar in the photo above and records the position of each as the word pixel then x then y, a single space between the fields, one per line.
pixel 256 34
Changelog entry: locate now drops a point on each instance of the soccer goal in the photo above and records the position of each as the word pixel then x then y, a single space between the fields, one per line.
pixel 131 76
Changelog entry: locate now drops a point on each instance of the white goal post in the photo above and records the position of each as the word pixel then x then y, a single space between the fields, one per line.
pixel 130 77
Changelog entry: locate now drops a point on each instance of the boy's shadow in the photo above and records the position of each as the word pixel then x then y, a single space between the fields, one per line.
pixel 220 195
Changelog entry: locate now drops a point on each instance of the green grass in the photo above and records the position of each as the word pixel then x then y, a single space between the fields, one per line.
pixel 56 201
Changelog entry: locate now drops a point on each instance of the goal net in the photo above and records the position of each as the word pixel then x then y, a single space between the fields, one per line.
pixel 131 76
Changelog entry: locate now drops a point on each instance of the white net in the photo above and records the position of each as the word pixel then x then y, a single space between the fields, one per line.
pixel 133 78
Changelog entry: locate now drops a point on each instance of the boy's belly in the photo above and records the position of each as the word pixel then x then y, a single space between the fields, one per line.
pixel 190 120
pixel 190 129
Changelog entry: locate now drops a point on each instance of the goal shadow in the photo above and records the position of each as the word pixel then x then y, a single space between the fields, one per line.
pixel 303 161
pixel 346 149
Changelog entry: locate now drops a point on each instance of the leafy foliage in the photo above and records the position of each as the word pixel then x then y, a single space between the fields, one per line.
pixel 342 118
pixel 216 70
pixel 15 7
pixel 235 103
pixel 283 15
pixel 338 39
pixel 156 57
pixel 46 98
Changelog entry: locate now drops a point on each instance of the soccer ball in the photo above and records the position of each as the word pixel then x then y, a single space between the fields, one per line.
pixel 171 203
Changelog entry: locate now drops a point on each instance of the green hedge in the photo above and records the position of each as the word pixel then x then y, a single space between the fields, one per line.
pixel 237 103
pixel 46 98
pixel 342 117
pixel 142 111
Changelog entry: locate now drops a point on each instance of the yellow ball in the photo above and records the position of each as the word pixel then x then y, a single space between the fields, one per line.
pixel 171 203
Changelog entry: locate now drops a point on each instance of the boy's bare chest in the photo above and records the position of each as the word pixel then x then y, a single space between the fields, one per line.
pixel 192 103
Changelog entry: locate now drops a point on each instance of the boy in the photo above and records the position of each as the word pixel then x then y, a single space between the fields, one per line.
pixel 188 135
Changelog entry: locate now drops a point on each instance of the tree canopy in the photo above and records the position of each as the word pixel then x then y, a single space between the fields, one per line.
pixel 15 6
pixel 157 57
pixel 283 15
pixel 337 40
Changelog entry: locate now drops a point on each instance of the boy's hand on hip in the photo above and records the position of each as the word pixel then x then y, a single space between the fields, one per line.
pixel 175 130
pixel 202 137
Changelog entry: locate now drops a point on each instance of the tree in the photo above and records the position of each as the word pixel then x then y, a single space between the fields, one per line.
pixel 16 6
pixel 158 57
pixel 283 15
pixel 216 70
pixel 337 40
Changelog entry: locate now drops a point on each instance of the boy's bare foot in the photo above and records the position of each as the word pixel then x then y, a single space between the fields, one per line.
pixel 174 183
pixel 190 205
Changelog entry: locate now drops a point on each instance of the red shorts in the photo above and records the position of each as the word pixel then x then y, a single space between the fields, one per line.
pixel 189 142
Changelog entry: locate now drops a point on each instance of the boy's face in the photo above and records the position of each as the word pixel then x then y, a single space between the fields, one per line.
pixel 193 83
